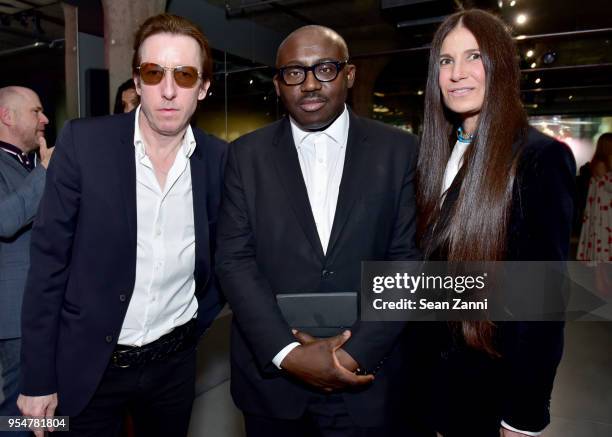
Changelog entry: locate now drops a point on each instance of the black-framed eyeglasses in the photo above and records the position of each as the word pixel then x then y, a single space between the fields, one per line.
pixel 323 71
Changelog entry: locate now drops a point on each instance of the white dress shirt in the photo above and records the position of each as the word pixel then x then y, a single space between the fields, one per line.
pixel 164 290
pixel 453 165
pixel 321 155
pixel 452 168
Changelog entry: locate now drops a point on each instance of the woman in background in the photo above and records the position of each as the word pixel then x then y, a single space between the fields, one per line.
pixel 595 245
pixel 489 188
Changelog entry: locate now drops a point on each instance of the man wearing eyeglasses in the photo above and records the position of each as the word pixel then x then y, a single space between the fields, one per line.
pixel 306 199
pixel 122 285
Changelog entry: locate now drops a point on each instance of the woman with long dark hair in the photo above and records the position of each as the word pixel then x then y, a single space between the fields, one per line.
pixel 490 188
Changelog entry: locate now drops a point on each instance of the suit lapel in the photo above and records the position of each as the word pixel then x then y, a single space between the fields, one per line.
pixel 288 167
pixel 356 165
pixel 127 173
pixel 434 236
pixel 200 211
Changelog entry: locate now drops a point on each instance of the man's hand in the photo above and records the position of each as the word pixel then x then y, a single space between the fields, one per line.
pixel 343 356
pixel 38 406
pixel 316 364
pixel 45 152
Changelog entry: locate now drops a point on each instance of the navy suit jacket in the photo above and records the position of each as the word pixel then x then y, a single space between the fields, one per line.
pixel 84 255
pixel 20 192
pixel 268 244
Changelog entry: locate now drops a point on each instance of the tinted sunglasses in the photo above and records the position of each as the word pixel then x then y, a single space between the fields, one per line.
pixel 184 76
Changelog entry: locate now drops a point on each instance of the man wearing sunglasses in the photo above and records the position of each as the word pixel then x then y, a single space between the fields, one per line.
pixel 122 286
pixel 306 199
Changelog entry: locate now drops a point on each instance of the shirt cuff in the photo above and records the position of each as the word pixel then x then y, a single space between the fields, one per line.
pixel 279 357
pixel 505 425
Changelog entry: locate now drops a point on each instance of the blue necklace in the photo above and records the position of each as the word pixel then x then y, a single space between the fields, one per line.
pixel 461 138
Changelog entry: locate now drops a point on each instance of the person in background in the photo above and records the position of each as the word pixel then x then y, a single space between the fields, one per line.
pixel 491 188
pixel 22 180
pixel 121 285
pixel 126 99
pixel 595 244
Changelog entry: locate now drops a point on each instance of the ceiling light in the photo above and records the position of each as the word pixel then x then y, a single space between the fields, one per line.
pixel 512 3
pixel 521 19
pixel 251 82
pixel 500 3
pixel 529 53
pixel 420 92
pixel 533 65
pixel 381 109
pixel 549 57
pixel 377 94
pixel 538 80
pixel 570 97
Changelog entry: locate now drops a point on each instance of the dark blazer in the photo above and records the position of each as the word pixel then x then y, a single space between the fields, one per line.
pixel 268 244
pixel 473 392
pixel 84 255
pixel 20 192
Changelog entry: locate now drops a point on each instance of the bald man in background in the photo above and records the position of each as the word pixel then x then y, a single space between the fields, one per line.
pixel 22 180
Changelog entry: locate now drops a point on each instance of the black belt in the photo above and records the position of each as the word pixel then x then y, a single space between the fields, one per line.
pixel 179 339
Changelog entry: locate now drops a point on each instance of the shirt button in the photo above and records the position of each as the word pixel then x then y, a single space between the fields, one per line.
pixel 109 338
pixel 122 297
pixel 158 232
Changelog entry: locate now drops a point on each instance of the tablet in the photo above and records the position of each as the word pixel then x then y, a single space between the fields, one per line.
pixel 319 314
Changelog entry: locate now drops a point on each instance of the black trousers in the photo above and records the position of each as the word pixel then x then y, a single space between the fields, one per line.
pixel 325 416
pixel 158 395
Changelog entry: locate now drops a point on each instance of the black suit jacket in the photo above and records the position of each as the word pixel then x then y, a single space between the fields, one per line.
pixel 83 256
pixel 473 392
pixel 268 244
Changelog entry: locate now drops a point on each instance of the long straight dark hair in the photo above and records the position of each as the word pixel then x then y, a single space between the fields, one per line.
pixel 477 229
